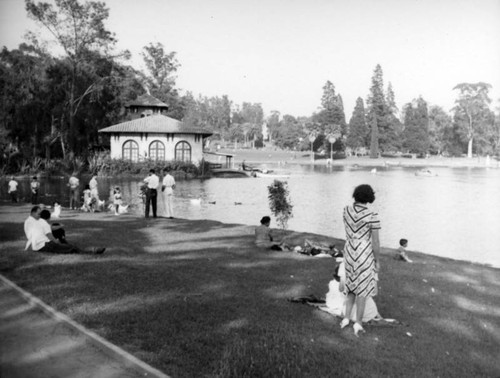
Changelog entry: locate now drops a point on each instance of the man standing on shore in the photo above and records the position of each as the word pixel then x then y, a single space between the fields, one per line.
pixel 152 182
pixel 13 189
pixel 35 187
pixel 74 192
pixel 168 186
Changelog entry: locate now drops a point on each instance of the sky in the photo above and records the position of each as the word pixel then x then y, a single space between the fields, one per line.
pixel 280 53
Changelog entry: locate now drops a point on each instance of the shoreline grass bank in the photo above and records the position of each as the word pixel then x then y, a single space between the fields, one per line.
pixel 196 298
pixel 272 156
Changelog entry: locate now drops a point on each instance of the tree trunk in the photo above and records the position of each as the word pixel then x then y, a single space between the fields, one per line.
pixel 374 140
pixel 469 148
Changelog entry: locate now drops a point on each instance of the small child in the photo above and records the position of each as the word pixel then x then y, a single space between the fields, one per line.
pixel 117 200
pixel 403 243
pixel 87 199
pixel 56 214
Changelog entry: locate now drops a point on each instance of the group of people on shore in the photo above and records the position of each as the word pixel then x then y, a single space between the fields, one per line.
pixel 355 281
pixel 151 187
pixel 13 189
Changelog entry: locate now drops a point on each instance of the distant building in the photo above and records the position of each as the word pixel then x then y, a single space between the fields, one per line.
pixel 144 106
pixel 151 135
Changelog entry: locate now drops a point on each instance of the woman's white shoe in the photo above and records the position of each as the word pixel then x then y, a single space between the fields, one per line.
pixel 344 323
pixel 358 328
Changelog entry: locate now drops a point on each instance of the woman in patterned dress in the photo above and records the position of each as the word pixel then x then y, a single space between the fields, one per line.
pixel 361 254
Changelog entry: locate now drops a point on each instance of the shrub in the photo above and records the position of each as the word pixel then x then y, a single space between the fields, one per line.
pixel 279 202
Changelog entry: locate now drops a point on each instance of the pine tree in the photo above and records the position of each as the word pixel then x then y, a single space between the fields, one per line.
pixel 416 127
pixel 358 135
pixel 379 116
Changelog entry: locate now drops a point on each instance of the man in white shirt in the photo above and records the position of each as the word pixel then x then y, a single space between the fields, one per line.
pixel 42 239
pixel 168 186
pixel 152 182
pixel 13 189
pixel 30 222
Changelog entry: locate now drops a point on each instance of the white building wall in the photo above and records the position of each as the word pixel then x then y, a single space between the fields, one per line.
pixel 170 141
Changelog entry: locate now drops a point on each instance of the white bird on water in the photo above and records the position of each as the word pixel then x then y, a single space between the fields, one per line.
pixel 195 201
pixel 374 171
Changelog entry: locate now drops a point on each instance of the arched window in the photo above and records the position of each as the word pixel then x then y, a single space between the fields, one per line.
pixel 183 151
pixel 157 150
pixel 130 150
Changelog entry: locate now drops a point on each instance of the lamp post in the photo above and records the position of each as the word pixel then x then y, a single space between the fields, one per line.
pixel 312 138
pixel 331 138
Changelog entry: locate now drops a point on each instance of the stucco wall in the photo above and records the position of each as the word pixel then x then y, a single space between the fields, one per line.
pixel 169 141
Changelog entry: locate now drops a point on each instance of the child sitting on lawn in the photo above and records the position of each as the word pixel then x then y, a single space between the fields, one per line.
pixel 403 243
pixel 335 298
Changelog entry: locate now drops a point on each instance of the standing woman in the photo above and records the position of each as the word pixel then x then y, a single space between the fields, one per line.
pixel 361 254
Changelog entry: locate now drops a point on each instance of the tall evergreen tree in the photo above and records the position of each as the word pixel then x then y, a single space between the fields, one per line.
pixel 379 116
pixel 358 135
pixel 416 127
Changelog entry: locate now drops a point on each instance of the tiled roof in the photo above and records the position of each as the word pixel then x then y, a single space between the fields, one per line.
pixel 146 100
pixel 153 124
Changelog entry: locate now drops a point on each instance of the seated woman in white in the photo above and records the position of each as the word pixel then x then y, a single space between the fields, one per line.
pixel 335 298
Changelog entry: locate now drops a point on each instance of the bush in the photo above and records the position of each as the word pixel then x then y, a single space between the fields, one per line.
pixel 279 202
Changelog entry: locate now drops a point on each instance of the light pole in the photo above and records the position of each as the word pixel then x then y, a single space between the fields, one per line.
pixel 331 138
pixel 312 138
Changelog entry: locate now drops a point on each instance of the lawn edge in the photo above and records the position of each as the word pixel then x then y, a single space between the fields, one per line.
pixel 102 344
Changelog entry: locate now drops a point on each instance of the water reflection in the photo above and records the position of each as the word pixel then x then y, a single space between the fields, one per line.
pixel 455 214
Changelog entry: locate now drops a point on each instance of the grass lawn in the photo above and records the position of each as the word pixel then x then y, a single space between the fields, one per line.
pixel 196 298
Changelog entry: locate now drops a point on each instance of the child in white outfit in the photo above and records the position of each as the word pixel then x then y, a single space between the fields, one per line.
pixel 335 298
pixel 117 200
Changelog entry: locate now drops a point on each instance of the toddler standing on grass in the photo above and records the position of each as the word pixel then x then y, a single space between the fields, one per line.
pixel 403 243
pixel 117 200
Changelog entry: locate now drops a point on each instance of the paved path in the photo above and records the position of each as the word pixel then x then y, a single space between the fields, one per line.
pixel 35 344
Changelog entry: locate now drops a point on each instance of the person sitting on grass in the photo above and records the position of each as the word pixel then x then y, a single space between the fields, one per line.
pixel 264 239
pixel 336 298
pixel 403 243
pixel 42 239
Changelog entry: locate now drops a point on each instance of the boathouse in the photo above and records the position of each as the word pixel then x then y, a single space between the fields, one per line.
pixel 149 134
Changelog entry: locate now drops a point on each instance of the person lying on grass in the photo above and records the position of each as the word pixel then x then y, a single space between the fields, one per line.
pixel 313 248
pixel 264 239
pixel 40 235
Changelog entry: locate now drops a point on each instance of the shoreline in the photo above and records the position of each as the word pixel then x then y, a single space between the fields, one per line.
pixel 290 157
pixel 295 236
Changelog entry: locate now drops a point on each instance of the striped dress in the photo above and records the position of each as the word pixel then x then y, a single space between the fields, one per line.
pixel 359 221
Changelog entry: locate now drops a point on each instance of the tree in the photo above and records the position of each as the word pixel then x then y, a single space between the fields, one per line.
pixel 416 127
pixel 331 112
pixel 279 202
pixel 439 126
pixel 160 78
pixel 472 113
pixel 378 116
pixel 358 132
pixel 77 28
pixel 289 133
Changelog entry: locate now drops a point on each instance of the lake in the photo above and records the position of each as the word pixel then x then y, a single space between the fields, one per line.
pixel 455 214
